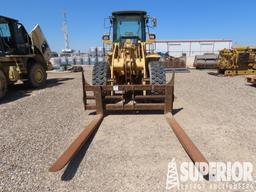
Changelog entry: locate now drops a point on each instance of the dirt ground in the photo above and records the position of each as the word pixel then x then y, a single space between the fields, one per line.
pixel 128 152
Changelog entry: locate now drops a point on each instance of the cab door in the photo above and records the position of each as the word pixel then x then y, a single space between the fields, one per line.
pixel 23 43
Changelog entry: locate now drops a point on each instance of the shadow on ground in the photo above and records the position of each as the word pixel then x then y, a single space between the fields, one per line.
pixel 73 165
pixel 216 74
pixel 149 112
pixel 175 111
pixel 251 85
pixel 56 81
pixel 19 91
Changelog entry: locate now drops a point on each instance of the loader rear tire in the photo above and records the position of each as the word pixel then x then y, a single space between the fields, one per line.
pixel 157 73
pixel 3 84
pixel 37 76
pixel 99 73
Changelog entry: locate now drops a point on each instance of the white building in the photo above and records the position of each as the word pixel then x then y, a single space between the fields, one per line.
pixel 191 47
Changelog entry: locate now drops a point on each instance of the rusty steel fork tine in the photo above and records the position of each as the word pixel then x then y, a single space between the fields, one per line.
pixel 77 144
pixel 191 149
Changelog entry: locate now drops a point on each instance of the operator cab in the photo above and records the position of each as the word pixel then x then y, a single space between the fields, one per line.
pixel 14 39
pixel 129 25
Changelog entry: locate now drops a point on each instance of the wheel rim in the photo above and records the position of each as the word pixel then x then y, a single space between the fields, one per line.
pixel 39 76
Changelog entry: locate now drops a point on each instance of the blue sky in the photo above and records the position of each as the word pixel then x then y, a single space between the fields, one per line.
pixel 177 19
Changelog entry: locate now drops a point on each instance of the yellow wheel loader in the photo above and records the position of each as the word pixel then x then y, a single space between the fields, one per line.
pixel 131 79
pixel 128 62
pixel 23 56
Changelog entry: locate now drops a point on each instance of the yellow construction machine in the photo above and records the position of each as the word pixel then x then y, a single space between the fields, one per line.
pixel 23 56
pixel 131 73
pixel 237 61
pixel 131 79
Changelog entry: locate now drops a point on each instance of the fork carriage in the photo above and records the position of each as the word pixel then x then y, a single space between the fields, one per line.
pixel 128 97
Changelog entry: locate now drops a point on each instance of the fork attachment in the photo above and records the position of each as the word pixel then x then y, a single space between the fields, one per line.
pixel 136 97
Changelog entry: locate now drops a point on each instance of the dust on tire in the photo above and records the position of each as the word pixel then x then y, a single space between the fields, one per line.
pixel 99 74
pixel 157 73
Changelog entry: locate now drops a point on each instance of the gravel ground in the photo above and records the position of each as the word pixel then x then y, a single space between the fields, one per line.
pixel 128 152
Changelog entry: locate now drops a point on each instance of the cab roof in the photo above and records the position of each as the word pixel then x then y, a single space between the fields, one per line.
pixel 7 19
pixel 131 12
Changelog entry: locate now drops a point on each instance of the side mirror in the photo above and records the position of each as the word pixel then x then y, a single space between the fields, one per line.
pixel 111 20
pixel 154 22
pixel 107 23
pixel 152 36
pixel 105 37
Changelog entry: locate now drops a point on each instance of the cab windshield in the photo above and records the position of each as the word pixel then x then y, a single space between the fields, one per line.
pixel 128 27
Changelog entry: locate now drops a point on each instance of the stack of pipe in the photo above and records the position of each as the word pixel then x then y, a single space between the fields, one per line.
pixel 206 61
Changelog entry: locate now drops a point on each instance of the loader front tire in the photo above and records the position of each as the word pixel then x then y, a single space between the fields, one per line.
pixel 3 84
pixel 157 73
pixel 99 73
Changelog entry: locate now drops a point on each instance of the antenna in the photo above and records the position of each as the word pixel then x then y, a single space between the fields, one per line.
pixel 65 30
